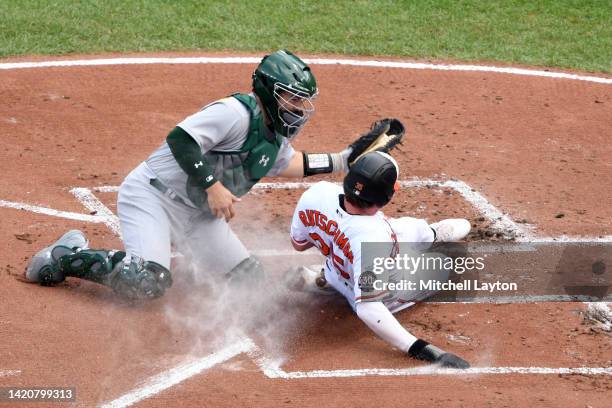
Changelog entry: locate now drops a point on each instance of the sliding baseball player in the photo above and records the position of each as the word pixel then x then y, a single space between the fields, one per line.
pixel 338 220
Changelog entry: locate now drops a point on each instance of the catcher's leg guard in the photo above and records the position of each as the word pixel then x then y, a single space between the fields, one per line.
pixel 130 277
pixel 136 278
pixel 249 271
pixel 89 264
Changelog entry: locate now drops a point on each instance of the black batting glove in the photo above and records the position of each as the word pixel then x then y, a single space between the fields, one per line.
pixel 422 350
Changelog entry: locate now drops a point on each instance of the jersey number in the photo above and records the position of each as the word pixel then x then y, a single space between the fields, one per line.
pixel 323 247
pixel 326 250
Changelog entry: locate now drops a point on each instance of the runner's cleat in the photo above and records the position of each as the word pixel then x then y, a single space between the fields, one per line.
pixel 314 280
pixel 452 229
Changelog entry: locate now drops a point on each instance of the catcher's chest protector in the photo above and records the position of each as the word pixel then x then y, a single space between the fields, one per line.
pixel 240 170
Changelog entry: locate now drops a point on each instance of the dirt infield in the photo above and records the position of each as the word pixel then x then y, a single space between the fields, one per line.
pixel 537 148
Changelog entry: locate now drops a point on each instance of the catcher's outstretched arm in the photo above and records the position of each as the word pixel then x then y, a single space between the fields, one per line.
pixel 295 169
pixel 384 135
pixel 303 164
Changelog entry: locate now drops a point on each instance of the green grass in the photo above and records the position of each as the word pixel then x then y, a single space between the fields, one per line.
pixel 559 33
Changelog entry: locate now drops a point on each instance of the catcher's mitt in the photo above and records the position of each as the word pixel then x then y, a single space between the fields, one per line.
pixel 384 135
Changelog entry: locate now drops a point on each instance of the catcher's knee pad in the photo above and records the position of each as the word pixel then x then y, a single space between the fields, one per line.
pixel 135 278
pixel 249 271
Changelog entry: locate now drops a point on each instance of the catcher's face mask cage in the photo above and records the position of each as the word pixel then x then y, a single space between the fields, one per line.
pixel 294 108
pixel 286 87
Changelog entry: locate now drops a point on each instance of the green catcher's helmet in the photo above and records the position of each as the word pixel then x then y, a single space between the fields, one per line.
pixel 286 88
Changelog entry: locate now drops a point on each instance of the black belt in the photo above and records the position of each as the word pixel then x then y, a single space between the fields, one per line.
pixel 167 191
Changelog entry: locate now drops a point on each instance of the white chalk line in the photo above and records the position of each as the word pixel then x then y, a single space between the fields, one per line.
pixel 314 61
pixel 9 373
pixel 272 369
pixel 92 203
pixel 180 373
pixel 51 212
pixel 499 221
pixel 437 371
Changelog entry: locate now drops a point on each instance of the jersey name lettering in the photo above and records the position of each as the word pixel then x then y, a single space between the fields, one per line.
pixel 314 218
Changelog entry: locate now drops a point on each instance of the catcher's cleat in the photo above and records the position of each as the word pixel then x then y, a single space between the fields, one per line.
pixel 129 276
pixel 314 281
pixel 44 266
pixel 452 229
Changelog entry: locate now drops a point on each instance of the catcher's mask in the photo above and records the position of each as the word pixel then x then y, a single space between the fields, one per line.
pixel 373 178
pixel 287 88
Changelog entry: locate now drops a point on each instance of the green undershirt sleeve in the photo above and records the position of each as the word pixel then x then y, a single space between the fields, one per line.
pixel 189 156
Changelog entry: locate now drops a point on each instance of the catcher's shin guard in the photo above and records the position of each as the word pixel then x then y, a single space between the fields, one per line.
pixel 249 271
pixel 130 277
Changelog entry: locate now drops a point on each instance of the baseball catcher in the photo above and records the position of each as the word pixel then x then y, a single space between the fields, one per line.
pixel 337 220
pixel 187 187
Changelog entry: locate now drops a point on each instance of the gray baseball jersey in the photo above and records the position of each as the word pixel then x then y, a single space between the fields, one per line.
pixel 222 126
pixel 151 222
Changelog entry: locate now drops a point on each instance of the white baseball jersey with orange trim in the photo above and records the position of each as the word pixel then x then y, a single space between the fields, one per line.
pixel 320 218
